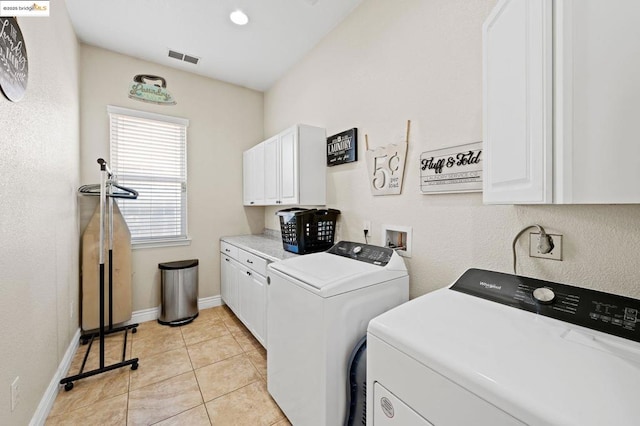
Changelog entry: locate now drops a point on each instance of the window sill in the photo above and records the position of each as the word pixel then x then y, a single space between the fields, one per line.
pixel 135 245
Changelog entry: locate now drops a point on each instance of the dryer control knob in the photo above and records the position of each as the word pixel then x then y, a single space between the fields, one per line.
pixel 357 249
pixel 544 295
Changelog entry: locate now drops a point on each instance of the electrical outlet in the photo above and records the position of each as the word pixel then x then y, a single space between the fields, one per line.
pixel 555 254
pixel 15 393
pixel 366 225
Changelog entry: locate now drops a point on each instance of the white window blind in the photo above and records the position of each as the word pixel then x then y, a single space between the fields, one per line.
pixel 148 154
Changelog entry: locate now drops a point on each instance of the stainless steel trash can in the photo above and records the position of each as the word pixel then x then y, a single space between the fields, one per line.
pixel 178 292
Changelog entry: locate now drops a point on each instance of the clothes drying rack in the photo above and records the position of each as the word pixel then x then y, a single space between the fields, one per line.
pixel 108 189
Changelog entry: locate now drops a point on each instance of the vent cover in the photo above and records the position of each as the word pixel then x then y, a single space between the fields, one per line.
pixel 183 57
pixel 176 55
pixel 191 59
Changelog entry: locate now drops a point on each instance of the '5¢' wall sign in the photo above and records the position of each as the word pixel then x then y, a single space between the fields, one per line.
pixel 385 166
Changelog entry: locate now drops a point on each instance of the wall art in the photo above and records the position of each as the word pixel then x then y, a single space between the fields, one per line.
pixel 14 66
pixel 342 148
pixel 141 90
pixel 454 169
pixel 385 166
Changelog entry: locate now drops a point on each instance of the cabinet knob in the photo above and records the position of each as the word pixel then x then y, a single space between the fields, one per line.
pixel 227 259
pixel 251 202
pixel 227 250
pixel 248 273
pixel 249 261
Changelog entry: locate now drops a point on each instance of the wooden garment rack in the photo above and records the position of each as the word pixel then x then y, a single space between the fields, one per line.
pixel 107 193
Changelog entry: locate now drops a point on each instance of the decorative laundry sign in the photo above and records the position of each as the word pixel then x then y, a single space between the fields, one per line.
pixel 455 169
pixel 141 89
pixel 342 148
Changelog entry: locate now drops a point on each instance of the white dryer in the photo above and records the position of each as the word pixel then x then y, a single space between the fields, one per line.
pixel 319 306
pixel 498 349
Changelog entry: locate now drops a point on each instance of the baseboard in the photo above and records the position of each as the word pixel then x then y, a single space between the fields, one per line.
pixel 209 302
pixel 152 314
pixel 144 315
pixel 46 403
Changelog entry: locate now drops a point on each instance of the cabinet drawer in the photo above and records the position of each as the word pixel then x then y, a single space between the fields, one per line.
pixel 252 261
pixel 229 250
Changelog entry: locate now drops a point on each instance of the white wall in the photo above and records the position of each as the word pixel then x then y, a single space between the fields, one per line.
pixel 224 120
pixel 38 215
pixel 421 60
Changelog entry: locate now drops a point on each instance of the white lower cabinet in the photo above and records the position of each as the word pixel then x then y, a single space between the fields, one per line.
pixel 253 302
pixel 229 273
pixel 243 288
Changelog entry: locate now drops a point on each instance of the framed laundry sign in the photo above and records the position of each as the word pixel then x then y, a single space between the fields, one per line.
pixel 342 148
pixel 455 169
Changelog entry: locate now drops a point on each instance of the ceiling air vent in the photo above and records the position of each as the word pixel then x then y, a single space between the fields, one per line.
pixel 183 57
pixel 175 55
pixel 191 59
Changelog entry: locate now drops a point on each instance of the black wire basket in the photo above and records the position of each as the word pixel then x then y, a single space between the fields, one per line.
pixel 307 230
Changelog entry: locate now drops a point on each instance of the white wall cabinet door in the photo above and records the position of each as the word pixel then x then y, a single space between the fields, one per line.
pixel 518 108
pixel 271 171
pixel 597 69
pixel 288 169
pixel 253 176
pixel 229 274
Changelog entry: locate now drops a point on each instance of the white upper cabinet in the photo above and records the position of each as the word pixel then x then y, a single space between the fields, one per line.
pixel 517 49
pixel 294 167
pixel 560 102
pixel 253 176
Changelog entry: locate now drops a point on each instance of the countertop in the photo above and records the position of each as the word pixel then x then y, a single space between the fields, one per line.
pixel 267 245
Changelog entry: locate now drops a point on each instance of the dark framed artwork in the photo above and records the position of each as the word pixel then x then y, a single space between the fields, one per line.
pixel 342 147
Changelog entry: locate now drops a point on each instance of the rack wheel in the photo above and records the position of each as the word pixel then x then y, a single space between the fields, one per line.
pixel 134 330
pixel 134 366
pixel 85 341
pixel 68 386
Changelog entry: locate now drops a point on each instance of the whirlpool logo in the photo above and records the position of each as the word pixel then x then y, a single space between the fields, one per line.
pixel 490 286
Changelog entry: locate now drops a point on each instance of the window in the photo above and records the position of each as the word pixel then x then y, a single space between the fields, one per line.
pixel 148 154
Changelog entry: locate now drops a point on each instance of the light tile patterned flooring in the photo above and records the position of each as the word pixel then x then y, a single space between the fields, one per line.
pixel 209 372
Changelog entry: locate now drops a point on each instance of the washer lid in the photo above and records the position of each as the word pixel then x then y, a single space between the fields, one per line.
pixel 538 369
pixel 329 274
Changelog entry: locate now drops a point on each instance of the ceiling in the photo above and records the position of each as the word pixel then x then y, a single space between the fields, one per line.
pixel 279 33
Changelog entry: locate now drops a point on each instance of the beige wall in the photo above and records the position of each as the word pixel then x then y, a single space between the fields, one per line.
pixel 38 215
pixel 422 60
pixel 224 120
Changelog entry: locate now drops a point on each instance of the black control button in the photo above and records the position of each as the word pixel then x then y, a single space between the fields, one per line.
pixel 630 314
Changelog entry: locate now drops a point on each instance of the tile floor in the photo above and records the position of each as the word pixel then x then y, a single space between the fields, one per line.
pixel 209 372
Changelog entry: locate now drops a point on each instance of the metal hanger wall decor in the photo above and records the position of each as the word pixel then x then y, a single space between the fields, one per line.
pixel 141 90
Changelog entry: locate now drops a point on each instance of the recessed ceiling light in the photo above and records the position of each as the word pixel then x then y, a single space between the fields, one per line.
pixel 238 17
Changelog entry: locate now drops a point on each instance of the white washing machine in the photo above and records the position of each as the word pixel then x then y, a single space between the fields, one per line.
pixel 497 349
pixel 319 306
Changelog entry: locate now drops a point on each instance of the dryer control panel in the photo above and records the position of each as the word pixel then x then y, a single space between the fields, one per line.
pixel 605 312
pixel 375 255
